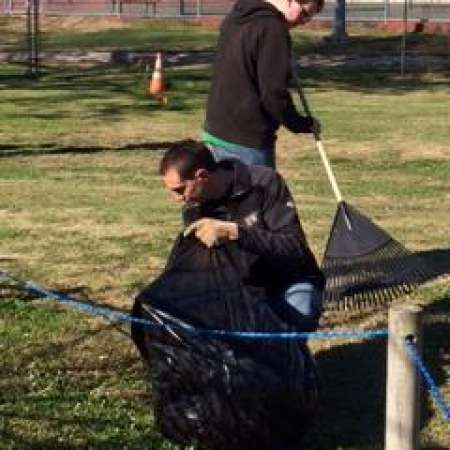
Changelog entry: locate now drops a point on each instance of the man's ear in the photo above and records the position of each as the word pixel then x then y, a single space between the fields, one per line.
pixel 202 174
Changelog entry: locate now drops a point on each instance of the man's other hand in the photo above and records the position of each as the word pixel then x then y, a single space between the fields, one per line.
pixel 212 231
pixel 316 127
pixel 311 125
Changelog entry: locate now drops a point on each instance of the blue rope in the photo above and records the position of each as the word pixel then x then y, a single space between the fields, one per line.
pixel 432 386
pixel 318 335
pixel 117 316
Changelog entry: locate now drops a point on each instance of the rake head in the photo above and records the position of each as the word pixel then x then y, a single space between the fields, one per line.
pixel 364 266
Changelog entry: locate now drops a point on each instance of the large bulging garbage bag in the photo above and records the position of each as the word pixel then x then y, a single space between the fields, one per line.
pixel 221 393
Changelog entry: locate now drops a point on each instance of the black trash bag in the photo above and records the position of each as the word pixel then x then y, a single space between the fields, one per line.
pixel 221 393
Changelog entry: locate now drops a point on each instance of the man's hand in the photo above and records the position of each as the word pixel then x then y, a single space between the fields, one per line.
pixel 213 232
pixel 316 127
pixel 311 125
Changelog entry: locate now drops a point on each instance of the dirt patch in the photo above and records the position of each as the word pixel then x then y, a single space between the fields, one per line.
pixel 421 26
pixel 83 24
pixel 411 150
pixel 415 150
pixel 74 23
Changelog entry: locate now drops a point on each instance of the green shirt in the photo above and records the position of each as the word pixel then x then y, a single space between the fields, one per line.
pixel 213 140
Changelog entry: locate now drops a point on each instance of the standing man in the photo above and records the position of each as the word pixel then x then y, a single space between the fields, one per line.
pixel 253 207
pixel 249 97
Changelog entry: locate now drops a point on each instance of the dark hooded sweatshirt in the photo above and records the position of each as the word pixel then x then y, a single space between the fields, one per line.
pixel 249 97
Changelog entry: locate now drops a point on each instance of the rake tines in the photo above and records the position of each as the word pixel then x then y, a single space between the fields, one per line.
pixel 364 266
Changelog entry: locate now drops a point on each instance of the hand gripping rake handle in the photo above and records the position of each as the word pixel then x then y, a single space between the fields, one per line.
pixel 317 137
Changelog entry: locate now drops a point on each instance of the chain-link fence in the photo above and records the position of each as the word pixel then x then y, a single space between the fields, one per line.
pixel 382 10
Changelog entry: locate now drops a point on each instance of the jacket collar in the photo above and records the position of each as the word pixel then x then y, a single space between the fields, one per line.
pixel 235 177
pixel 234 180
pixel 241 180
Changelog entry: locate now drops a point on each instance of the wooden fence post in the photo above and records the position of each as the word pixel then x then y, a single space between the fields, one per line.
pixel 403 387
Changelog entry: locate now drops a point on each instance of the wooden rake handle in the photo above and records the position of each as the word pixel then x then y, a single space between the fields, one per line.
pixel 317 138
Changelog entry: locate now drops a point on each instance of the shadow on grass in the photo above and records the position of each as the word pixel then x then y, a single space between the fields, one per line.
pixel 380 44
pixel 8 151
pixel 436 331
pixel 45 417
pixel 146 440
pixel 372 80
pixel 354 379
pixel 437 260
pixel 352 412
pixel 102 93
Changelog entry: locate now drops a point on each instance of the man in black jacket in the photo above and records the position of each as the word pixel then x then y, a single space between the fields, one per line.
pixel 252 206
pixel 249 97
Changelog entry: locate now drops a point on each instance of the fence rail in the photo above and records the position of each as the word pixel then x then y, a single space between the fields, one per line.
pixel 382 10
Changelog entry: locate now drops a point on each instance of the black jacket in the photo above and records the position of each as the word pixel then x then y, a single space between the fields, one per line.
pixel 270 233
pixel 249 97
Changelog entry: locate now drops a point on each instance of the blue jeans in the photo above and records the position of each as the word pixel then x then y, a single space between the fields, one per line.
pixel 246 155
pixel 302 307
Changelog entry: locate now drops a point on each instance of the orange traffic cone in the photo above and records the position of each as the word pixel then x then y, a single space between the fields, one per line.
pixel 155 84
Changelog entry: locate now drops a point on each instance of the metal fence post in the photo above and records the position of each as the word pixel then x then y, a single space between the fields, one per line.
pixel 32 17
pixel 118 7
pixel 403 387
pixel 405 32
pixel 339 33
pixel 199 8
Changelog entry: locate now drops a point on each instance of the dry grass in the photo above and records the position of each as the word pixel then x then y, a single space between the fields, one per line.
pixel 84 24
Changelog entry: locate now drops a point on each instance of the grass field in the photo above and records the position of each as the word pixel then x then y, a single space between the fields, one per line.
pixel 82 210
